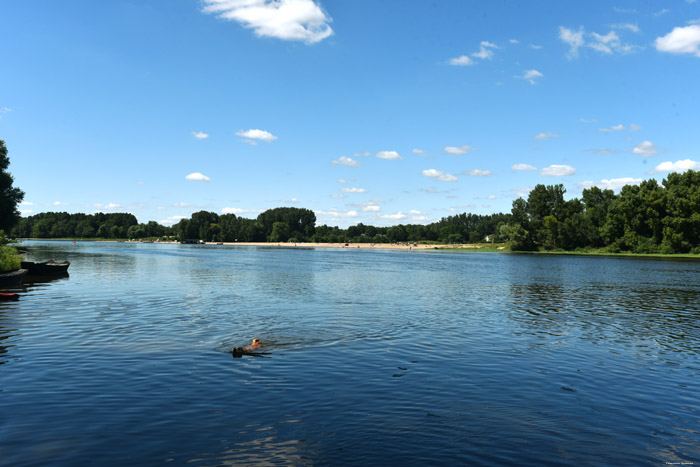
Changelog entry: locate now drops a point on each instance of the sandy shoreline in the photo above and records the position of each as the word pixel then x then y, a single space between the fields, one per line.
pixel 372 246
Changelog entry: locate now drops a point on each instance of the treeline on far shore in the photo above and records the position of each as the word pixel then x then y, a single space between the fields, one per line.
pixel 650 217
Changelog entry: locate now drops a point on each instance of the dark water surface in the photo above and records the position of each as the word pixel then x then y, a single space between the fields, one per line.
pixel 376 358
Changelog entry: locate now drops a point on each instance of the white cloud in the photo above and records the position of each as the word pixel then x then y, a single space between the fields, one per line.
pixel 414 212
pixel 348 161
pixel 58 203
pixel 198 177
pixel 353 190
pixel 573 38
pixel 492 196
pixel 181 205
pixel 389 155
pixel 614 128
pixel 514 41
pixel 521 192
pixel 518 167
pixel 661 12
pixel 612 184
pixel 530 76
pixel 462 60
pixel 678 166
pixel 371 208
pixel 605 44
pixel 172 220
pixel 336 214
pixel 362 154
pixel 535 46
pixel 634 127
pixel 26 203
pixel 24 212
pixel 479 173
pixel 682 40
pixel 108 207
pixel 200 135
pixel 252 135
pixel 630 26
pixel 458 150
pixel 420 152
pixel 294 20
pixel 337 196
pixel 555 170
pixel 485 51
pixel 238 211
pixel 590 120
pixel 547 136
pixel 646 149
pixel 340 180
pixel 439 175
pixel 395 217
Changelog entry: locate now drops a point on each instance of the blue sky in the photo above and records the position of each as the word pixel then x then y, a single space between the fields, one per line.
pixel 376 112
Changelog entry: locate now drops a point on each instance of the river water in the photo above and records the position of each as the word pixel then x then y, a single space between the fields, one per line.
pixel 374 358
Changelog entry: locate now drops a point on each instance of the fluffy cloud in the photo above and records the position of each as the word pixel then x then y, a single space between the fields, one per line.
pixel 362 154
pixel 252 135
pixel 604 43
pixel 200 135
pixel 336 214
pixel 485 51
pixel 439 175
pixel 340 180
pixel 25 212
pixel 530 76
pixel 678 166
pixel 420 152
pixel 521 167
pixel 343 160
pixel 547 136
pixel 58 203
pixel 630 26
pixel 573 38
pixel 458 150
pixel 462 60
pixel 479 173
pixel 353 190
pixel 612 129
pixel 295 20
pixel 685 40
pixel 108 207
pixel 395 217
pixel 612 184
pixel 389 155
pixel 337 196
pixel 238 211
pixel 555 170
pixel 371 208
pixel 646 149
pixel 198 177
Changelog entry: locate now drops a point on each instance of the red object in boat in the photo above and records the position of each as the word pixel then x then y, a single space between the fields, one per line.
pixel 9 296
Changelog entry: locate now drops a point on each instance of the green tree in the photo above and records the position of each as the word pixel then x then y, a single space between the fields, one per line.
pixel 10 196
pixel 280 232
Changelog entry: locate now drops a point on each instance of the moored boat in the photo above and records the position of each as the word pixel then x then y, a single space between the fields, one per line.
pixel 8 296
pixel 47 268
pixel 12 277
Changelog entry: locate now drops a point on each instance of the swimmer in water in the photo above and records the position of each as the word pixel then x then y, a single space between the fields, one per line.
pixel 252 349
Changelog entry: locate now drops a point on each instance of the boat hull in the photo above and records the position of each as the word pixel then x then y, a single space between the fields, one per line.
pixel 48 268
pixel 12 277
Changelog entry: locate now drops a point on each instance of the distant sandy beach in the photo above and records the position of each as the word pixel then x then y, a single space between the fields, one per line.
pixel 372 246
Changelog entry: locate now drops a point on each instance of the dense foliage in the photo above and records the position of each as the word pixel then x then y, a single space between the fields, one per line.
pixel 10 196
pixel 99 225
pixel 648 218
pixel 9 259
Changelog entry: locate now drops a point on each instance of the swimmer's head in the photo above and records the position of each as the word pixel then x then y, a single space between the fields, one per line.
pixel 256 342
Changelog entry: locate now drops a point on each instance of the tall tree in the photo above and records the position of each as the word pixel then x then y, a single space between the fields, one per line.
pixel 10 196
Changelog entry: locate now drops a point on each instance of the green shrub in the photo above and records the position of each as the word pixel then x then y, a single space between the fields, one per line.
pixel 9 259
